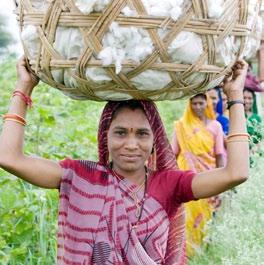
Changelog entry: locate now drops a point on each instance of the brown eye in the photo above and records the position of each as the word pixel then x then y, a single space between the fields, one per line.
pixel 120 133
pixel 143 133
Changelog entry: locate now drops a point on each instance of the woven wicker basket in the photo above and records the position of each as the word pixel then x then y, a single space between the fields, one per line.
pixel 93 27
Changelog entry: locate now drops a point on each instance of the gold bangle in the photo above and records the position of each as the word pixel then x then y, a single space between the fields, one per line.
pixel 238 134
pixel 238 141
pixel 14 116
pixel 15 120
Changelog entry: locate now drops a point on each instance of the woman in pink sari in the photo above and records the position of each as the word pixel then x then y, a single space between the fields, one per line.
pixel 119 210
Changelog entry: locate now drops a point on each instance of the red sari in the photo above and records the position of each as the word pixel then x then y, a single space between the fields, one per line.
pixel 97 214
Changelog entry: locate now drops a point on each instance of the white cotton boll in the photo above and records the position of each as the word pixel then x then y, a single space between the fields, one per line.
pixel 215 8
pixel 69 80
pixel 58 76
pixel 100 5
pixel 31 39
pixel 106 56
pixel 176 3
pixel 252 7
pixel 157 11
pixel 40 5
pixel 253 40
pixel 127 11
pixel 112 95
pixel 75 44
pixel 186 48
pixel 226 51
pixel 175 13
pixel 151 80
pixel 124 43
pixel 85 6
pixel 98 75
pixel 118 57
pixel 109 40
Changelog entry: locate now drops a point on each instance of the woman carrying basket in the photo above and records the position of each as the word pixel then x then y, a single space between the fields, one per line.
pixel 119 210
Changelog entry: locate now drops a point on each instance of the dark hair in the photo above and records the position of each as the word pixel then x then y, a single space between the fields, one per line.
pixel 247 89
pixel 200 95
pixel 127 104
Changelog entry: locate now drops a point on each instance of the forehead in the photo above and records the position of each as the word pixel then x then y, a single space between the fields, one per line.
pixel 198 100
pixel 212 93
pixel 224 96
pixel 129 118
pixel 248 94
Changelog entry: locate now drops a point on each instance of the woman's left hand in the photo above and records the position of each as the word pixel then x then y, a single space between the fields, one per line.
pixel 234 83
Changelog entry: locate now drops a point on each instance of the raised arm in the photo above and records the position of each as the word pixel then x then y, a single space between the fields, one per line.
pixel 236 171
pixel 40 172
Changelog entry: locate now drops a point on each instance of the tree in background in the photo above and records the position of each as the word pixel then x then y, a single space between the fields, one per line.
pixel 5 37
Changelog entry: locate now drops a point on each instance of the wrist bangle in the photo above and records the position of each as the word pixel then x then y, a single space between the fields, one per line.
pixel 233 102
pixel 15 118
pixel 24 97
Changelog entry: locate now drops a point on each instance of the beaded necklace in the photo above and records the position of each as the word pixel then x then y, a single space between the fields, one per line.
pixel 139 209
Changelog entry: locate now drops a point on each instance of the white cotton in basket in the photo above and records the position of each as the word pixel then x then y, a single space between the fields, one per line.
pixel 215 8
pixel 132 44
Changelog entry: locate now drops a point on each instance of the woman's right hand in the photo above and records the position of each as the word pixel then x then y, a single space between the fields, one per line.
pixel 26 80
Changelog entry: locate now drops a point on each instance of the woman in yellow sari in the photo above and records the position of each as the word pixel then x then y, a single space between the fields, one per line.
pixel 198 145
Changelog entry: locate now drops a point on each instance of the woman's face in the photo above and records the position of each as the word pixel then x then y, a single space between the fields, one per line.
pixel 224 101
pixel 130 141
pixel 214 97
pixel 248 100
pixel 198 105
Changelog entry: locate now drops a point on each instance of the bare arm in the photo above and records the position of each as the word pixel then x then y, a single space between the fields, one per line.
pixel 219 160
pixel 38 171
pixel 236 171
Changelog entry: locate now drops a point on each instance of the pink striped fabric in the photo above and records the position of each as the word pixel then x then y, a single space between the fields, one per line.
pixel 96 218
pixel 96 213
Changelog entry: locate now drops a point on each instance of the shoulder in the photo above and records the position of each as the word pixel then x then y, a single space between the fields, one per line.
pixel 215 123
pixel 257 117
pixel 215 127
pixel 170 181
pixel 84 169
pixel 171 187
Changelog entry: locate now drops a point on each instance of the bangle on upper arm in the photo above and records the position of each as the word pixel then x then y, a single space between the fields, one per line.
pixel 233 102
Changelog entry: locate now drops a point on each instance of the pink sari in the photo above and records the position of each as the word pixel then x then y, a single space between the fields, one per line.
pixel 104 233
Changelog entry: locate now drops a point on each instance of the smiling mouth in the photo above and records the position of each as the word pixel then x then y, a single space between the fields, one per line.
pixel 130 157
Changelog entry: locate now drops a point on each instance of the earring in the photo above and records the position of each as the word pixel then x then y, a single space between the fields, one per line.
pixel 152 151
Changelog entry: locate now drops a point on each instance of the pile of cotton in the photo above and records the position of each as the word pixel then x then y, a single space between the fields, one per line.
pixel 180 50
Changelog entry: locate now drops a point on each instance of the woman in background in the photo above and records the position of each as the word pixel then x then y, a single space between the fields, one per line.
pixel 251 112
pixel 198 145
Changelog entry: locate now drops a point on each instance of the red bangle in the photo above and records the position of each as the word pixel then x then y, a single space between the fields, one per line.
pixel 25 98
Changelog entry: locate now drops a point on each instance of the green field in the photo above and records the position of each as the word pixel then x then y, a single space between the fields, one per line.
pixel 59 127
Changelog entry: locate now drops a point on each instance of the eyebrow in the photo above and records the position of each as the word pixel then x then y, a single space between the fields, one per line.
pixel 138 129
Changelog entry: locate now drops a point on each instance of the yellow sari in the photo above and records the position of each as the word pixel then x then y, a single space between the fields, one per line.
pixel 196 144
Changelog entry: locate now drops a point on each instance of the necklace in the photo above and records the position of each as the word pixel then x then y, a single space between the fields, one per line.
pixel 133 193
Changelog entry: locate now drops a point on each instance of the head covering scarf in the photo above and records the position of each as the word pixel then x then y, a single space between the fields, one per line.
pixel 253 83
pixel 194 139
pixel 254 106
pixel 224 121
pixel 162 159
